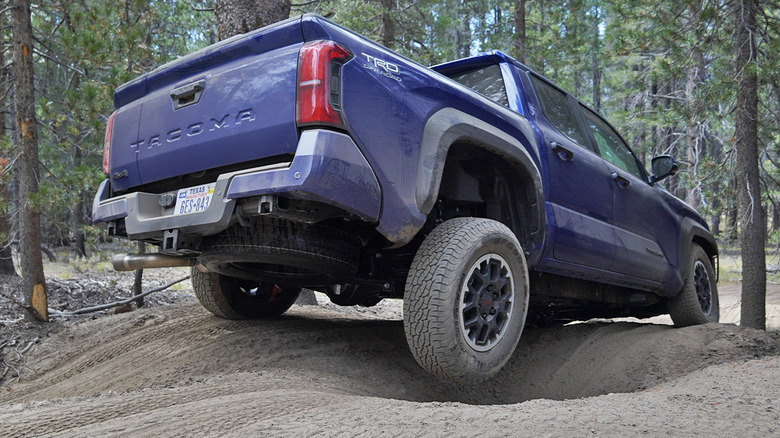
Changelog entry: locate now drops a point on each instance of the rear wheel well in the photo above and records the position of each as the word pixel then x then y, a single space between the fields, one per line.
pixel 476 181
pixel 481 183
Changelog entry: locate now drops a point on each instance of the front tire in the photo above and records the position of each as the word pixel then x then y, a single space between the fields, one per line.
pixel 697 302
pixel 466 299
pixel 233 298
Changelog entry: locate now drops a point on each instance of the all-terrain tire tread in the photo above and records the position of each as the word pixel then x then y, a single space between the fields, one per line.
pixel 684 308
pixel 211 296
pixel 223 297
pixel 436 268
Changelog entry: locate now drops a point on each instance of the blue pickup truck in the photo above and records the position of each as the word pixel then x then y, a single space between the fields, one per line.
pixel 483 195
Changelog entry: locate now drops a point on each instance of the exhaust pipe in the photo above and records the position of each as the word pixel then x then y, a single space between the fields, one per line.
pixel 131 262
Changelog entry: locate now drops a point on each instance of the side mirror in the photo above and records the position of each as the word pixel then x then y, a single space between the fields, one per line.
pixel 663 166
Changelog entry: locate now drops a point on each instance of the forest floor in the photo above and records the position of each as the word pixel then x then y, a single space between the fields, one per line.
pixel 172 369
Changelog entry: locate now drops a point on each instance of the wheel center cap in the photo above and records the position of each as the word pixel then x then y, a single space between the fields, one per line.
pixel 487 303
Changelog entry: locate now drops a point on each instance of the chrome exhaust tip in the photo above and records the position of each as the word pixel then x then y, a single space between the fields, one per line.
pixel 131 262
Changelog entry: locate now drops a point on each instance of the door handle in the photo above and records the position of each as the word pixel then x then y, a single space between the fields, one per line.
pixel 563 153
pixel 620 181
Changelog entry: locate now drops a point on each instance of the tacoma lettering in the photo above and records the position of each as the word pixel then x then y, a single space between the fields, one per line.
pixel 195 129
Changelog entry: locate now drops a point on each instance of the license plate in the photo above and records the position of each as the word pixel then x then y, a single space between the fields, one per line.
pixel 194 199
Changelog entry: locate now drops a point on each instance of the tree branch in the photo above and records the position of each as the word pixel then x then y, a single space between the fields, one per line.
pixel 298 5
pixel 202 9
pixel 30 309
pixel 6 9
pixel 663 96
pixel 116 303
pixel 57 61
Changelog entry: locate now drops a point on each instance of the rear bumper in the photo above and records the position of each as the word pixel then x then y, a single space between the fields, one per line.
pixel 328 167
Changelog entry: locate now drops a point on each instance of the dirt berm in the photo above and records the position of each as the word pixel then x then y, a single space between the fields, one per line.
pixel 179 371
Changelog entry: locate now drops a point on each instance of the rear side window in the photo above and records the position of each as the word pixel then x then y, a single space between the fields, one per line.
pixel 486 81
pixel 556 108
pixel 610 146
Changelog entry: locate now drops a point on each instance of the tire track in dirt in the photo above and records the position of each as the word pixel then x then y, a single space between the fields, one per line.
pixel 192 344
pixel 127 348
pixel 167 404
pixel 333 351
pixel 705 403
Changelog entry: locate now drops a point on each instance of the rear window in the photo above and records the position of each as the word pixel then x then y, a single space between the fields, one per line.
pixel 486 81
pixel 556 108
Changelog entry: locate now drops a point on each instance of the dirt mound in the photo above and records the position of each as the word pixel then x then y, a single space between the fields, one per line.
pixel 365 356
pixel 126 372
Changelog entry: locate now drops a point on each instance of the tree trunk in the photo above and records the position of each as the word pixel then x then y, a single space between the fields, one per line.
pixel 732 217
pixel 33 281
pixel 575 30
pixel 540 64
pixel 462 31
pixel 6 259
pixel 388 23
pixel 241 16
pixel 139 278
pixel 520 36
pixel 695 135
pixel 79 242
pixel 595 52
pixel 751 214
pixel 77 219
pixel 717 195
pixel 715 218
pixel 465 30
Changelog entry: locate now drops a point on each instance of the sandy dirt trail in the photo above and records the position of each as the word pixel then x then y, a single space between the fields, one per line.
pixel 179 371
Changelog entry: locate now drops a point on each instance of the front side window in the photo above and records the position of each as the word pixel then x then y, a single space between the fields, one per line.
pixel 486 81
pixel 556 108
pixel 610 146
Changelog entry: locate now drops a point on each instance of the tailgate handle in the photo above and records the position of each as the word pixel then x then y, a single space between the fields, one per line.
pixel 188 94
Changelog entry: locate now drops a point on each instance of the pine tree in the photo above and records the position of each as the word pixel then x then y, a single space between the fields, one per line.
pixel 33 281
pixel 752 220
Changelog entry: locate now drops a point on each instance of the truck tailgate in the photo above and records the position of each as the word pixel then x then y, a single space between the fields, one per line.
pixel 230 103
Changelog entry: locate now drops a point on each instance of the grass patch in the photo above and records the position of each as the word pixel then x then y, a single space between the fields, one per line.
pixel 731 265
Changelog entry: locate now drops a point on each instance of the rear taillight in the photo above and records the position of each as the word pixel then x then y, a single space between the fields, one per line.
pixel 319 83
pixel 107 145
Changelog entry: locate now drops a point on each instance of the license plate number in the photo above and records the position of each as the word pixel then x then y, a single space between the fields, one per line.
pixel 194 199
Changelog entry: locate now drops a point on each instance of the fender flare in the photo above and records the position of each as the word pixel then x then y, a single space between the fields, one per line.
pixel 449 126
pixel 693 232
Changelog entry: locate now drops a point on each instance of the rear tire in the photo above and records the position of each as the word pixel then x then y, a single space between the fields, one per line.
pixel 466 299
pixel 697 302
pixel 233 298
